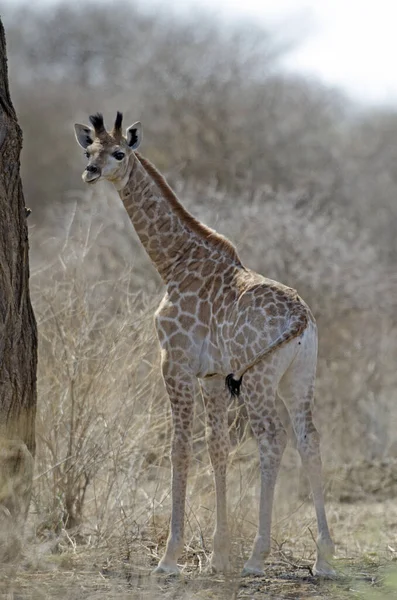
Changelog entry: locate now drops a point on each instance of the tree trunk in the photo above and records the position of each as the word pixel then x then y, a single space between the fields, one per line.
pixel 18 333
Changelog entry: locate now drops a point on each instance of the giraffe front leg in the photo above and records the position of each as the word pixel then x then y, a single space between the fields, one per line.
pixel 215 400
pixel 181 393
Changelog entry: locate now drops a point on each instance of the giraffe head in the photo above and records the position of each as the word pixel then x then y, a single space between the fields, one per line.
pixel 108 152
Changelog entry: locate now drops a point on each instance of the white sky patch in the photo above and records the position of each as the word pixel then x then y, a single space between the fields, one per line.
pixel 348 43
pixel 354 45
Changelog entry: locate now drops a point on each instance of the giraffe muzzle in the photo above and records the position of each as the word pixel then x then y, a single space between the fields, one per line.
pixel 91 174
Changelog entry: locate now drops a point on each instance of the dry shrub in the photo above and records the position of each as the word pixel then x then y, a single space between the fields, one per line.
pixel 103 422
pixel 16 471
pixel 98 386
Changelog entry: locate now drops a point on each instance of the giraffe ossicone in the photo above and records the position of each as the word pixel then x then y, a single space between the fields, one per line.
pixel 232 329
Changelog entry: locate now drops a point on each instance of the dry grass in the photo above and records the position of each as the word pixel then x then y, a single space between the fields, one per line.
pixel 101 503
pixel 77 568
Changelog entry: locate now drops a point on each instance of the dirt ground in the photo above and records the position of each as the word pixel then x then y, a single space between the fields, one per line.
pixel 365 534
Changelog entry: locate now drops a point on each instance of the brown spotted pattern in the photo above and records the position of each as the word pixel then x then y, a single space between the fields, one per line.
pixel 219 318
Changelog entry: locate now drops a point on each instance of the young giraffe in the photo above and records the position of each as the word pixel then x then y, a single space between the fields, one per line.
pixel 218 322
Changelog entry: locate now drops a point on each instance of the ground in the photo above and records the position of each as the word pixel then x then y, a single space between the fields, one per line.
pixel 365 535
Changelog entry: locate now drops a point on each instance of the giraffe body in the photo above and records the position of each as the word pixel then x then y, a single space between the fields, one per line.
pixel 242 325
pixel 218 322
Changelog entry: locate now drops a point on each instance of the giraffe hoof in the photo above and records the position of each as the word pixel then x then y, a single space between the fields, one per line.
pixel 249 571
pixel 325 571
pixel 323 565
pixel 164 569
pixel 219 566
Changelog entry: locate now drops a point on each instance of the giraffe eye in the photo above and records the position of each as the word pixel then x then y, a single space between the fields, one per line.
pixel 86 154
pixel 118 155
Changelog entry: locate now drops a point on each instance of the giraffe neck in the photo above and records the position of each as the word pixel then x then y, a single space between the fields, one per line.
pixel 168 232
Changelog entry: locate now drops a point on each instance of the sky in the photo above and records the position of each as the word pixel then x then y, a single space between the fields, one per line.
pixel 351 44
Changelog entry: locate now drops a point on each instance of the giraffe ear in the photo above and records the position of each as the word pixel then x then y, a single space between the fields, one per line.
pixel 83 135
pixel 134 135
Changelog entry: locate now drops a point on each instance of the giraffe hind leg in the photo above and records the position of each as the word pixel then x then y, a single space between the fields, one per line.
pixel 297 390
pixel 259 395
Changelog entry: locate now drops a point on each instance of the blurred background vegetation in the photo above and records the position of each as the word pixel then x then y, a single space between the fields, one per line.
pixel 302 179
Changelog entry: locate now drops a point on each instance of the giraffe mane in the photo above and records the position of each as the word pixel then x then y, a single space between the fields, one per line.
pixel 208 234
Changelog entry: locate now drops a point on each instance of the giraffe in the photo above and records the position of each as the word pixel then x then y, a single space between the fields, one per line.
pixel 231 329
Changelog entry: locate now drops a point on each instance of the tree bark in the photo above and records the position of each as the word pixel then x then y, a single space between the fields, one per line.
pixel 18 332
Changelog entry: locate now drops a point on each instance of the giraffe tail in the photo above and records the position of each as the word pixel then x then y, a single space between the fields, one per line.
pixel 234 380
pixel 233 385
